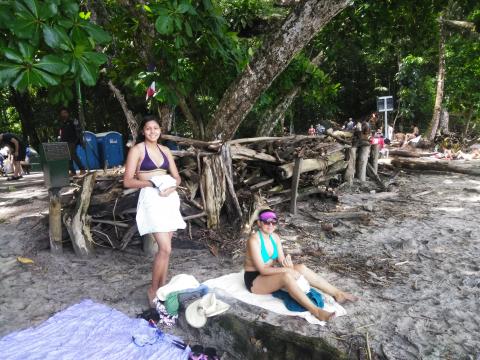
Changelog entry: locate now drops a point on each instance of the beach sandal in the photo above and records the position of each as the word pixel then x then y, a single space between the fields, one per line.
pixel 211 354
pixel 13 178
pixel 196 353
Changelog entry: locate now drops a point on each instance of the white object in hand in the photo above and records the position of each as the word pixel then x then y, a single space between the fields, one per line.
pixel 163 182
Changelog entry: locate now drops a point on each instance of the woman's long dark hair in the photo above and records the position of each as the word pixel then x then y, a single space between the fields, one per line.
pixel 141 135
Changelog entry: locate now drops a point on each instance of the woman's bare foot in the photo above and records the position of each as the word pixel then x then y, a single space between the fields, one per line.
pixel 323 315
pixel 342 297
pixel 151 295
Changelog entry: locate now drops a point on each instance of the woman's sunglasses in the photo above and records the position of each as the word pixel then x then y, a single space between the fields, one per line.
pixel 270 222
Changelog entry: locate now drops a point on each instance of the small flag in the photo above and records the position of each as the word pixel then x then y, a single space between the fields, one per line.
pixel 150 90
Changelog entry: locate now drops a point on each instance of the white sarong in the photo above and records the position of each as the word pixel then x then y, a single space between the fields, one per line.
pixel 157 213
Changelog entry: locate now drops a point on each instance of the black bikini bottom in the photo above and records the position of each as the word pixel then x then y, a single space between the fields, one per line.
pixel 249 277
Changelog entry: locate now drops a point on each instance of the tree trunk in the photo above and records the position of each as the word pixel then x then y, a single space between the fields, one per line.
pixel 165 114
pixel 274 117
pixel 132 122
pixel 22 103
pixel 213 181
pixel 278 114
pixel 306 20
pixel 440 85
pixel 444 121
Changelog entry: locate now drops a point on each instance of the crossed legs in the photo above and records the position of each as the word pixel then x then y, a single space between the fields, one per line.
pixel 267 284
pixel 160 263
pixel 318 282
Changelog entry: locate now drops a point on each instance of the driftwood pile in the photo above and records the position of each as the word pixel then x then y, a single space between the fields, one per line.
pixel 222 184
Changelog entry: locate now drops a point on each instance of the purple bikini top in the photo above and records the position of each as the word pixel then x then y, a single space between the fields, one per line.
pixel 148 165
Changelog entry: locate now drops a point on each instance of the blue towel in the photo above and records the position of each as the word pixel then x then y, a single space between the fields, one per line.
pixel 88 331
pixel 293 305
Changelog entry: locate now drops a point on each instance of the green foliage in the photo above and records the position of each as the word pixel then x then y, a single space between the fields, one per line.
pixel 416 89
pixel 45 43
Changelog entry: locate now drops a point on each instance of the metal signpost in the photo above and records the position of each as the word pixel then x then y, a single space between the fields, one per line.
pixel 385 104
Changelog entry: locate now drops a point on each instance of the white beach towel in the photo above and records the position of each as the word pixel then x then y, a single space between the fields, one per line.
pixel 157 213
pixel 234 285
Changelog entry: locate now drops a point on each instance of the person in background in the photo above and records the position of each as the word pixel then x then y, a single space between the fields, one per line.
pixel 71 133
pixel 320 129
pixel 17 150
pixel 349 125
pixel 151 168
pixel 311 131
pixel 264 251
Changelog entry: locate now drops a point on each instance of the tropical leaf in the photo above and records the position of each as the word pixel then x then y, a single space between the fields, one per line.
pixel 52 64
pixel 8 72
pixel 32 6
pixel 95 58
pixel 13 55
pixel 88 73
pixel 24 28
pixel 183 8
pixel 164 25
pixel 26 50
pixel 97 33
pixel 70 8
pixel 48 10
pixel 56 38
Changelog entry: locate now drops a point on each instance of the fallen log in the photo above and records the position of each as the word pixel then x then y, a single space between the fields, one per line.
pixel 212 145
pixel 243 153
pixel 408 153
pixel 457 166
pixel 340 136
pixel 286 171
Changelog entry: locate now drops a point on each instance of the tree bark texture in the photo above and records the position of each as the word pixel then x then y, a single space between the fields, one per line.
pixel 440 85
pixel 131 121
pixel 363 155
pixel 165 114
pixel 374 155
pixel 306 20
pixel 77 223
pixel 22 103
pixel 352 160
pixel 55 221
pixel 234 211
pixel 213 181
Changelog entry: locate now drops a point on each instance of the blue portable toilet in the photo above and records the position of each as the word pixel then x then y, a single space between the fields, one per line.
pixel 110 145
pixel 89 155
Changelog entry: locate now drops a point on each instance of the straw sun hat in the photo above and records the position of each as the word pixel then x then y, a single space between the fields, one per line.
pixel 207 306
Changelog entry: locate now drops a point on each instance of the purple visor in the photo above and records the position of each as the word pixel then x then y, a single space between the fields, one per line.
pixel 267 215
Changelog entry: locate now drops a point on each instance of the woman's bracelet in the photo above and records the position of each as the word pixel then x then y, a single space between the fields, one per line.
pixel 151 182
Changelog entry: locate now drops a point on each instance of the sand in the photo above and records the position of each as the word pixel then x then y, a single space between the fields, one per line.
pixel 414 263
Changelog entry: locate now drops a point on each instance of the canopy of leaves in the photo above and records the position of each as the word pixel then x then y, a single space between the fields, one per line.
pixel 48 43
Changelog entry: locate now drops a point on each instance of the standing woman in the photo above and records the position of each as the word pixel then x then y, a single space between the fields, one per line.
pixel 151 167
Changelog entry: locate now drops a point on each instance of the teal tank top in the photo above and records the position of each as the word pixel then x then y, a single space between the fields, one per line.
pixel 263 249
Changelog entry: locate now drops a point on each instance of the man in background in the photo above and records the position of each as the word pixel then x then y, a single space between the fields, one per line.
pixel 71 133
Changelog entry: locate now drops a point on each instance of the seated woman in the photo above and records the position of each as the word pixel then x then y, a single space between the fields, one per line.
pixel 264 248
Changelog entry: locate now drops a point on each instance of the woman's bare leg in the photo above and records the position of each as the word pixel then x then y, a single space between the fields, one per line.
pixel 160 263
pixel 318 282
pixel 267 284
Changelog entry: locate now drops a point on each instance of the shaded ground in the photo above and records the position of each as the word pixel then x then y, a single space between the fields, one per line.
pixel 412 256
